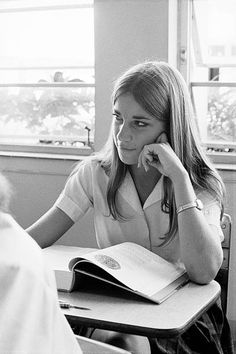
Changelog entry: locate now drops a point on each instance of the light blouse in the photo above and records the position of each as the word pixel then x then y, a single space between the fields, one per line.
pixel 145 225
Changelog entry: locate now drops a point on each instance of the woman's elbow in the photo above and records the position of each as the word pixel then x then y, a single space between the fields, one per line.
pixel 205 274
pixel 202 278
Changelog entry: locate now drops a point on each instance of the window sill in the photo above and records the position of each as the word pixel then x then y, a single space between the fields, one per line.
pixel 39 155
pixel 222 158
pixel 32 163
pixel 42 151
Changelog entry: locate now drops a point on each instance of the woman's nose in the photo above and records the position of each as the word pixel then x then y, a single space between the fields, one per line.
pixel 124 133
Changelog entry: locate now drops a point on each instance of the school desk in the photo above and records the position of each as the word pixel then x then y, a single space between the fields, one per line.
pixel 123 312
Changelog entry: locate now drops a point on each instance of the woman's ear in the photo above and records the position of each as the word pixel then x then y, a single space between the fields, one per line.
pixel 162 138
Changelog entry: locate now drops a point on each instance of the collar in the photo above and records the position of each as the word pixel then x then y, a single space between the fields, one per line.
pixel 129 193
pixel 156 194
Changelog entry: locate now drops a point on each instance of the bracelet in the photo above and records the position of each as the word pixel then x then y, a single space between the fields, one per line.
pixel 197 203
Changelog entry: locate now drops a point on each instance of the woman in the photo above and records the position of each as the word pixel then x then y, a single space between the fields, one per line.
pixel 151 184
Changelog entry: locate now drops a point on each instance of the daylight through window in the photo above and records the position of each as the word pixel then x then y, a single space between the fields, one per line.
pixel 47 75
pixel 213 72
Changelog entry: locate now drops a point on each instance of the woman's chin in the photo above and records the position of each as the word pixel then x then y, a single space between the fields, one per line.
pixel 128 160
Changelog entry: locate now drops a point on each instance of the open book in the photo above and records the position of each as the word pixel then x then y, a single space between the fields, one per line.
pixel 127 265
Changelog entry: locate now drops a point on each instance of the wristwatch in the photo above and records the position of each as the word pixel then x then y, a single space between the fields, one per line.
pixel 197 203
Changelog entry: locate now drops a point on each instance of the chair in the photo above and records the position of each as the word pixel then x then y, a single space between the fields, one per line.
pixel 223 274
pixel 91 346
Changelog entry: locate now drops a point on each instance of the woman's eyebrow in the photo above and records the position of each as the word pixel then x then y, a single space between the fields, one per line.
pixel 116 112
pixel 142 117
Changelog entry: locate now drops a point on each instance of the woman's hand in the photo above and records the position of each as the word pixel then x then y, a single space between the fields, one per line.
pixel 161 156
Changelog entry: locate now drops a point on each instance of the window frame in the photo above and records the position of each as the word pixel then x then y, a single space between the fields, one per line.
pixel 9 147
pixel 215 151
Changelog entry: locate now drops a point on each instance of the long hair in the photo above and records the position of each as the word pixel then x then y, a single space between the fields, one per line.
pixel 162 92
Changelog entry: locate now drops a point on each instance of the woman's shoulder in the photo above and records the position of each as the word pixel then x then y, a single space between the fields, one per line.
pixel 88 167
pixel 88 163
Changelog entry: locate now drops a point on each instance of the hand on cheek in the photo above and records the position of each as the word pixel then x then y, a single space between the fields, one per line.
pixel 149 155
pixel 161 156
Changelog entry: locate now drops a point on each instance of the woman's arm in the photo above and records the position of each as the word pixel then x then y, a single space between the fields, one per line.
pixel 200 246
pixel 50 227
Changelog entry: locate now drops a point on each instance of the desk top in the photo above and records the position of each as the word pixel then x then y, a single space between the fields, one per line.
pixel 125 313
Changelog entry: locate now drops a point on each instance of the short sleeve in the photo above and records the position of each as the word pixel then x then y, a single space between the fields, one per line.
pixel 212 211
pixel 76 197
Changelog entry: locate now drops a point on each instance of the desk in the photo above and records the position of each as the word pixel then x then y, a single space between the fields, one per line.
pixel 127 314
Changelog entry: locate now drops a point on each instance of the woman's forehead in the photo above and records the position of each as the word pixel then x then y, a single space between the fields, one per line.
pixel 127 103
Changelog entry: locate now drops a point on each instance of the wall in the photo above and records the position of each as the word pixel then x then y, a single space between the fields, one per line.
pixel 37 182
pixel 127 32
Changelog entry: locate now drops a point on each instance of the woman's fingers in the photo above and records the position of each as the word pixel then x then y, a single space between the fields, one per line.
pixel 148 157
pixel 149 154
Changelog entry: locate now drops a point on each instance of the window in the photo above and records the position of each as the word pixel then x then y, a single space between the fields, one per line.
pixel 210 50
pixel 47 75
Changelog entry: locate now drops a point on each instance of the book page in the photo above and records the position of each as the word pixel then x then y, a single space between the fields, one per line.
pixel 136 267
pixel 58 257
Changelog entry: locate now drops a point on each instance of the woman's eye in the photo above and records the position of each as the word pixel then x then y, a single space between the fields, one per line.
pixel 140 124
pixel 117 117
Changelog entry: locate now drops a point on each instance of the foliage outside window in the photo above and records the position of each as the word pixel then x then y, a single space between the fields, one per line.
pixel 47 84
pixel 213 72
pixel 222 114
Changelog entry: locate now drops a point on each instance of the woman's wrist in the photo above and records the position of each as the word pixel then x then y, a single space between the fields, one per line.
pixel 180 178
pixel 183 189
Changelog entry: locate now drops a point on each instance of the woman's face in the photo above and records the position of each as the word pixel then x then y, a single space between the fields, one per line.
pixel 133 128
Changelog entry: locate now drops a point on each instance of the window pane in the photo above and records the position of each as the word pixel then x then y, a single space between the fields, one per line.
pixel 47 115
pixel 61 37
pixel 216 112
pixel 213 70
pixel 47 72
pixel 213 39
